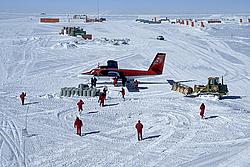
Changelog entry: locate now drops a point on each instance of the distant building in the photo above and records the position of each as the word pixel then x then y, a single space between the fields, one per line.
pixel 75 31
pixel 49 20
pixel 153 21
pixel 213 21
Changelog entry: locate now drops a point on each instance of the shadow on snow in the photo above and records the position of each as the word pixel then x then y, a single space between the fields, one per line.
pixel 214 116
pixel 151 137
pixel 230 97
pixel 92 112
pixel 35 102
pixel 114 104
pixel 88 133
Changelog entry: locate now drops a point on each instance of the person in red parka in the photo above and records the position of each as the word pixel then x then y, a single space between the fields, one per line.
pixel 101 99
pixel 79 104
pixel 202 110
pixel 123 93
pixel 115 81
pixel 139 127
pixel 78 125
pixel 22 97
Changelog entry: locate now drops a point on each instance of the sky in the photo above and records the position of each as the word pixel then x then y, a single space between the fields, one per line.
pixel 126 6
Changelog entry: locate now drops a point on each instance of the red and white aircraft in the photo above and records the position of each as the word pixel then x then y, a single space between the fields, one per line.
pixel 112 70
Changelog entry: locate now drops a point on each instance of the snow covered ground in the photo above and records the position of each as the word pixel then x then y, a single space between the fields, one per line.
pixel 174 134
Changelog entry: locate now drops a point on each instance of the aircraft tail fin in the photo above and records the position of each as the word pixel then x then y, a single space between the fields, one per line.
pixel 158 63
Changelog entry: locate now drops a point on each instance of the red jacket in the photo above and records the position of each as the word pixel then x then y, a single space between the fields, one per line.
pixel 139 127
pixel 101 98
pixel 202 107
pixel 80 103
pixel 115 81
pixel 123 91
pixel 78 123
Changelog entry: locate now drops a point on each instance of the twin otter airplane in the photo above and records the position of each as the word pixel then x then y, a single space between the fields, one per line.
pixel 112 70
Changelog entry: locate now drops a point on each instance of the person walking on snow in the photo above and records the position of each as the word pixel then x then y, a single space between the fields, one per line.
pixel 139 127
pixel 22 97
pixel 78 125
pixel 123 93
pixel 202 110
pixel 79 104
pixel 101 99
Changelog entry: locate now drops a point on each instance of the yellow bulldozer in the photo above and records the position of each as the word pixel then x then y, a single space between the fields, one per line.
pixel 213 87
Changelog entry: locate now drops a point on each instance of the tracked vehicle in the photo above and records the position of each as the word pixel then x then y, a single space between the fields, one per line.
pixel 212 88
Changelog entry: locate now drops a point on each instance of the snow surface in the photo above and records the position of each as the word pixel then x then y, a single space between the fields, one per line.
pixel 36 59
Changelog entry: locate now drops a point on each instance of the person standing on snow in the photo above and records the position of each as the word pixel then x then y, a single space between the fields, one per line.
pixel 22 97
pixel 124 80
pixel 202 110
pixel 105 89
pixel 93 82
pixel 123 93
pixel 101 99
pixel 136 83
pixel 78 126
pixel 139 127
pixel 79 104
pixel 115 81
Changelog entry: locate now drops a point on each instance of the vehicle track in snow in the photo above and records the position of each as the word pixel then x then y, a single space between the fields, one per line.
pixel 216 51
pixel 9 140
pixel 203 127
pixel 25 55
pixel 64 116
pixel 218 158
pixel 174 122
pixel 178 136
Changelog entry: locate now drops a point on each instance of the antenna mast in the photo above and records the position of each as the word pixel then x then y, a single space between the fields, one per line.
pixel 98 10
